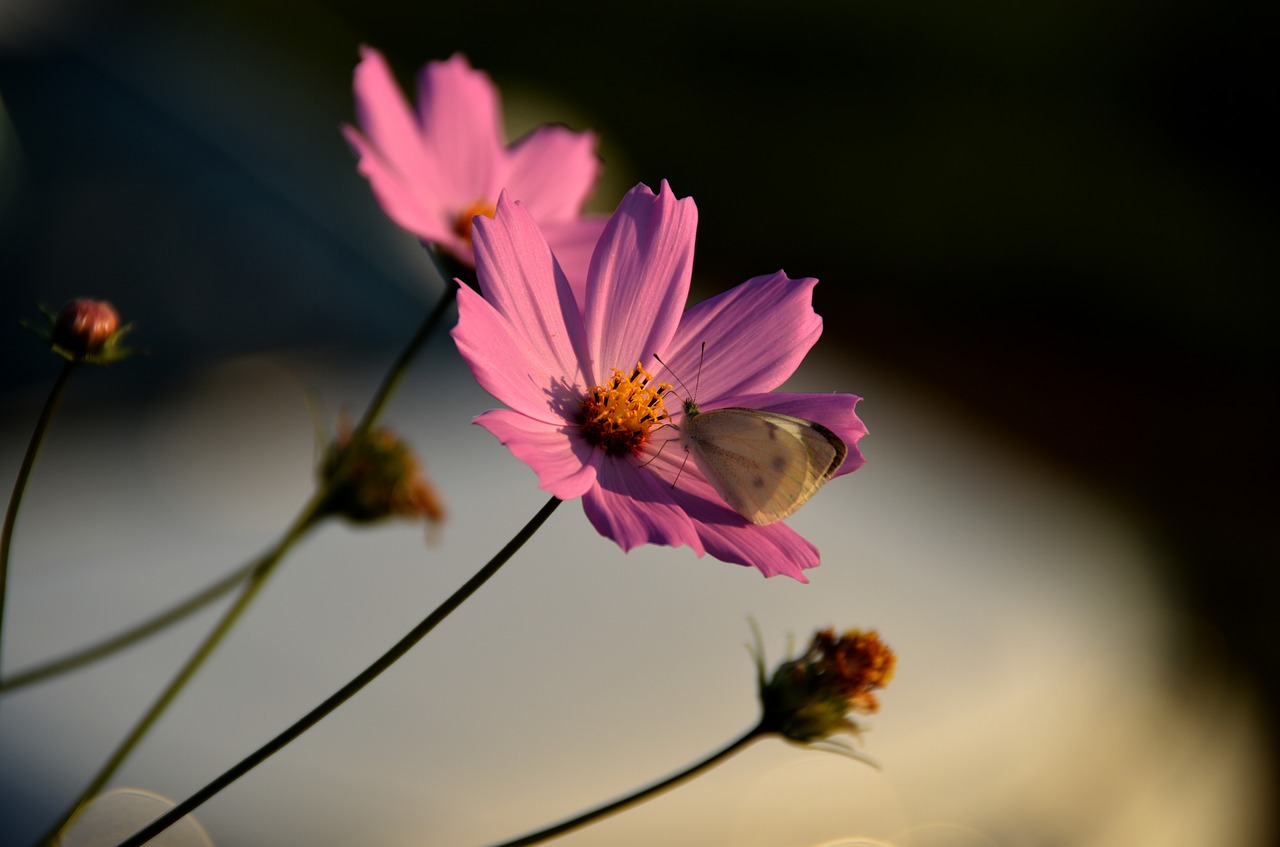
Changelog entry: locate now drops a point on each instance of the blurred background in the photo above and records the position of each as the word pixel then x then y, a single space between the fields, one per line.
pixel 1046 239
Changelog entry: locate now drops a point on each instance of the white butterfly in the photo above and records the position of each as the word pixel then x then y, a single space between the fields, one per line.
pixel 764 464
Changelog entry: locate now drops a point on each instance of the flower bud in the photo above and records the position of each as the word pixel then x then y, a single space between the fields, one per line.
pixel 84 326
pixel 809 698
pixel 83 331
pixel 380 479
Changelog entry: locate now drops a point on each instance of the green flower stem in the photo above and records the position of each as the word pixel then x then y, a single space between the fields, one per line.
pixel 349 690
pixel 392 379
pixel 657 788
pixel 198 601
pixel 20 485
pixel 315 510
pixel 266 566
pixel 133 635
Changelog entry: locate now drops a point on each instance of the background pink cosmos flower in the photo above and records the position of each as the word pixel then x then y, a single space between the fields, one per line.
pixel 434 169
pixel 548 355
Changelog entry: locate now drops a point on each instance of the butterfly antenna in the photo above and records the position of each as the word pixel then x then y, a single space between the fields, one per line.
pixel 698 380
pixel 683 387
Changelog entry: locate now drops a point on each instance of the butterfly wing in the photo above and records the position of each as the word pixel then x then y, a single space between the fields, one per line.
pixel 764 464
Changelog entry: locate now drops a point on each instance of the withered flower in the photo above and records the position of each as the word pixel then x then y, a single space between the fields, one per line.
pixel 809 698
pixel 380 479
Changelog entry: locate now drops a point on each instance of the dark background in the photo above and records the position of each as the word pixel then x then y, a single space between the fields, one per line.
pixel 1058 216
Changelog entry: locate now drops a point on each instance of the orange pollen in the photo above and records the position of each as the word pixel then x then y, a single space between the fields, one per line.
pixel 856 663
pixel 617 416
pixel 462 223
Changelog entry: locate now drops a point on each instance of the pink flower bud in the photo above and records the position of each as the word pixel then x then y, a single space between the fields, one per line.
pixel 84 326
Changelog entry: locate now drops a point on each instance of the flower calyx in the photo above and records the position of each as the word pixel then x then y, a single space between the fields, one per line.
pixel 84 330
pixel 809 698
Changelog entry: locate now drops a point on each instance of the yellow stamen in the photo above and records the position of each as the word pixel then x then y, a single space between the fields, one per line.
pixel 618 415
pixel 462 223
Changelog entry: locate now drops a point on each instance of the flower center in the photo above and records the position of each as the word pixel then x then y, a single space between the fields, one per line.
pixel 617 416
pixel 462 223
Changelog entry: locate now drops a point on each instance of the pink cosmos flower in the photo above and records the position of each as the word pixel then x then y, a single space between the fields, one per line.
pixel 575 369
pixel 435 169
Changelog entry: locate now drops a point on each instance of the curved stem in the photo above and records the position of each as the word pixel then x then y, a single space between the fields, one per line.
pixel 20 485
pixel 392 379
pixel 257 579
pixel 618 805
pixel 349 690
pixel 198 601
pixel 315 509
pixel 121 640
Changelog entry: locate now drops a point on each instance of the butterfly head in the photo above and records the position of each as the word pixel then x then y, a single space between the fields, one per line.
pixel 690 405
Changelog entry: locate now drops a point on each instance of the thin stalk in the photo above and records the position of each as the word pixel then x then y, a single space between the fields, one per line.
pixel 349 690
pixel 20 485
pixel 315 509
pixel 618 805
pixel 198 601
pixel 392 379
pixel 257 579
pixel 121 640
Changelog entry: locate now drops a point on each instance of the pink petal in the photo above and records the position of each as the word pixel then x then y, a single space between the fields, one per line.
pixel 508 366
pixel 834 411
pixel 573 242
pixel 725 534
pixel 560 458
pixel 756 335
pixel 404 178
pixel 634 507
pixel 461 122
pixel 386 119
pixel 398 197
pixel 552 170
pixel 639 279
pixel 520 278
pixel 774 550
